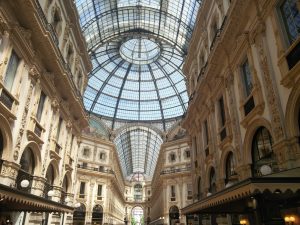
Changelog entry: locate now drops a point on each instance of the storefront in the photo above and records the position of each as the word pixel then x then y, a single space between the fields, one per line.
pixel 255 201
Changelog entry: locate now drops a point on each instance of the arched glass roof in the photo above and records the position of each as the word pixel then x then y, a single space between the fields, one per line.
pixel 138 149
pixel 137 48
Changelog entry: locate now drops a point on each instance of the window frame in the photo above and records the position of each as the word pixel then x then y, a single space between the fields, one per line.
pixel 284 25
pixel 10 86
pixel 247 89
pixel 41 106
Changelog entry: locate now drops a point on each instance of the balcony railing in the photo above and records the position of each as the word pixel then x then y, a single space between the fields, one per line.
pixel 98 169
pixel 63 197
pixel 176 170
pixel 24 181
pixel 55 39
pixel 48 187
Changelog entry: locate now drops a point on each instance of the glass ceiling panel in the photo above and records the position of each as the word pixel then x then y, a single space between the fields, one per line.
pixel 137 48
pixel 138 149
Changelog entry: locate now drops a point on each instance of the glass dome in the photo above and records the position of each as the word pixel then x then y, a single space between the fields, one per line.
pixel 138 149
pixel 140 51
pixel 137 49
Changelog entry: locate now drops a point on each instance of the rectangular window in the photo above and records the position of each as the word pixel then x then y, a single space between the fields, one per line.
pixel 86 152
pixel 247 78
pixel 188 154
pixel 40 107
pixel 222 111
pixel 102 155
pixel 99 191
pixel 189 191
pixel 82 190
pixel 11 70
pixel 58 128
pixel 173 194
pixel 289 11
pixel 206 137
pixel 173 157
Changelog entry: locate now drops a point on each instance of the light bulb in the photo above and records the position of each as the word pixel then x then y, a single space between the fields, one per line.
pixel 50 193
pixel 24 183
pixel 77 205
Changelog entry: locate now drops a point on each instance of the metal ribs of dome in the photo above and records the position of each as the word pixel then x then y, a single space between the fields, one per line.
pixel 122 89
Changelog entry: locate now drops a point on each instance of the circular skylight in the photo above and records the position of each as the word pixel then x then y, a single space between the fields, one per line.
pixel 137 48
pixel 140 51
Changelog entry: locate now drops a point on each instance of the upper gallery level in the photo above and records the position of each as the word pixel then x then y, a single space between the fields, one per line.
pixel 56 49
pixel 243 80
pixel 41 113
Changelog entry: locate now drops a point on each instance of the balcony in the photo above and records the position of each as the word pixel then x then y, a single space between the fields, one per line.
pixel 48 187
pixel 7 102
pixel 176 170
pixel 69 163
pixel 55 150
pixel 24 181
pixel 7 99
pixel 48 27
pixel 97 169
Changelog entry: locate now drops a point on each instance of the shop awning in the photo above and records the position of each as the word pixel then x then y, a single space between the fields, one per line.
pixel 15 200
pixel 232 199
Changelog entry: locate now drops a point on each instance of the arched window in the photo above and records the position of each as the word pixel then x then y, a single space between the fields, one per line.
pixel 50 175
pixel 174 215
pixel 65 184
pixel 79 214
pixel 263 158
pixel 212 181
pixel 27 161
pixel 97 215
pixel 49 182
pixel 199 188
pixel 25 173
pixel 230 168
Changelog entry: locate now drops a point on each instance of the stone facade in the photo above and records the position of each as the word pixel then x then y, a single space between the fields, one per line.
pixel 41 112
pixel 240 55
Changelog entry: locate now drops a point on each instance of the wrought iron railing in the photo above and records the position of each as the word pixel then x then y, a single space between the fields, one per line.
pixel 98 169
pixel 265 166
pixel 63 197
pixel 48 187
pixel 55 39
pixel 175 170
pixel 24 181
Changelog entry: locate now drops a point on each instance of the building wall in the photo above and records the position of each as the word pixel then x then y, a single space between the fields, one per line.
pixel 228 34
pixel 42 68
pixel 98 165
pixel 173 169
